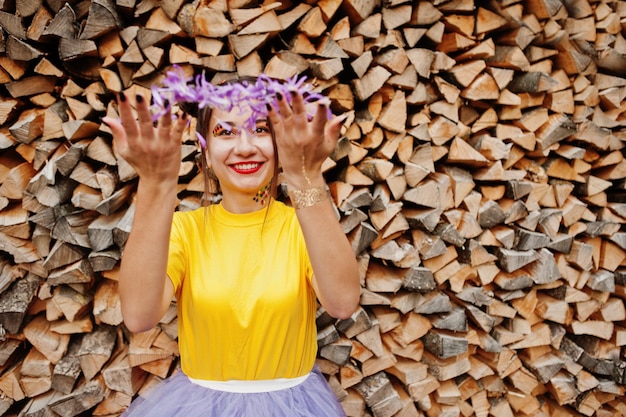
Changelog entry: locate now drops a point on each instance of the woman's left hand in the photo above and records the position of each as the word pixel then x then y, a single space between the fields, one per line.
pixel 302 144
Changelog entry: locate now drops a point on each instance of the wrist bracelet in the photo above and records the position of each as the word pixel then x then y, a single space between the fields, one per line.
pixel 307 198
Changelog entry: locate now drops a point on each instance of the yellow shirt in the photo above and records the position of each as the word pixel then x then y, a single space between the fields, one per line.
pixel 246 308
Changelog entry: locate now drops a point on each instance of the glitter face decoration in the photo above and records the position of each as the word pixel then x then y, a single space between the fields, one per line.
pixel 218 129
pixel 253 95
pixel 263 194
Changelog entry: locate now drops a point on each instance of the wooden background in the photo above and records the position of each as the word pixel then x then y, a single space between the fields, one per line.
pixel 481 182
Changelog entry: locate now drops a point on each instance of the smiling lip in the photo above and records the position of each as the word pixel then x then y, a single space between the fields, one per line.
pixel 247 167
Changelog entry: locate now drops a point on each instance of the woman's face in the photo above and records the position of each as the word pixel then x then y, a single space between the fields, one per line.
pixel 241 158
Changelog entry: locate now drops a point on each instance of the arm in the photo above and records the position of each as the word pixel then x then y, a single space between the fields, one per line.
pixel 302 147
pixel 144 289
pixel 336 276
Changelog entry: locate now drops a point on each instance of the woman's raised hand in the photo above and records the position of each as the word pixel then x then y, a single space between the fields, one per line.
pixel 154 152
pixel 302 144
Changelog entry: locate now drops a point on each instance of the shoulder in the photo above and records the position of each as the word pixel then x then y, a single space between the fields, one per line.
pixel 281 208
pixel 283 212
pixel 285 219
pixel 191 217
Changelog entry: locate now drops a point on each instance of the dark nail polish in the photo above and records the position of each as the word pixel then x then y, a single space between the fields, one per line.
pixel 269 106
pixel 279 96
pixel 139 98
pixel 166 103
pixel 122 97
pixel 293 93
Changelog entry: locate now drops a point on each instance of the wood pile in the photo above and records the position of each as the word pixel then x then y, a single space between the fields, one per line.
pixel 481 181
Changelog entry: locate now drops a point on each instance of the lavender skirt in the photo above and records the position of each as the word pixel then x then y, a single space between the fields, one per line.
pixel 177 396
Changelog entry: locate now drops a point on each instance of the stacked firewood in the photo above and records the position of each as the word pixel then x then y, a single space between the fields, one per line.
pixel 480 179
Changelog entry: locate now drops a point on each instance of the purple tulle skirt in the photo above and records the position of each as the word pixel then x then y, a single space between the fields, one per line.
pixel 177 396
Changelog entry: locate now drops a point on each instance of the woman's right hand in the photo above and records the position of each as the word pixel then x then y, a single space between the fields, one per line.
pixel 154 152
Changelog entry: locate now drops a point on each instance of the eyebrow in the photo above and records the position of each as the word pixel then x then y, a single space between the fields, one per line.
pixel 224 123
pixel 230 123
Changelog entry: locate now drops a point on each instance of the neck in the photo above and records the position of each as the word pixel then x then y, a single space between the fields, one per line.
pixel 243 204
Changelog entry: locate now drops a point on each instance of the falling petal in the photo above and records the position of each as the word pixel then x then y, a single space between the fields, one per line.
pixel 201 140
pixel 177 88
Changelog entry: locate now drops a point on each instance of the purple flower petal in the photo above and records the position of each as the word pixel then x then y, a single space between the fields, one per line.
pixel 177 88
pixel 201 140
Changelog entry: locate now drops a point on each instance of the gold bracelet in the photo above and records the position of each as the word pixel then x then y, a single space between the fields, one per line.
pixel 307 198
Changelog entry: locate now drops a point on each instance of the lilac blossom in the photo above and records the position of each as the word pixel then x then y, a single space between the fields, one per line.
pixel 177 88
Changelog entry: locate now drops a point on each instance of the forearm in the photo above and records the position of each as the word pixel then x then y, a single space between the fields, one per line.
pixel 143 271
pixel 334 264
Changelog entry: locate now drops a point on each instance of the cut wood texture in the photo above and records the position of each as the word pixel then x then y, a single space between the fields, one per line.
pixel 480 179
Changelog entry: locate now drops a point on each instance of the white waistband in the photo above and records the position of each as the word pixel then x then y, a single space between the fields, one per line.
pixel 249 386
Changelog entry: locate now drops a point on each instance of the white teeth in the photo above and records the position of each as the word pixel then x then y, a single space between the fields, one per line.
pixel 246 166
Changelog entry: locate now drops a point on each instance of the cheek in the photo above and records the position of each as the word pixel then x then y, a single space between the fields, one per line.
pixel 216 150
pixel 267 147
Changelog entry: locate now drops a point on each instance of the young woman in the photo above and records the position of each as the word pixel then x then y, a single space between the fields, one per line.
pixel 246 272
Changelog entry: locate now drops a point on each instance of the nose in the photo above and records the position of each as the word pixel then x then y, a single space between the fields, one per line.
pixel 244 142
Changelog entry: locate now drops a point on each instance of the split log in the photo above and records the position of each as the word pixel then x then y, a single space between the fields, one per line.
pixel 479 180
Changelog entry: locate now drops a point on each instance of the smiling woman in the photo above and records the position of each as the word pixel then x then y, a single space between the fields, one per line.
pixel 248 271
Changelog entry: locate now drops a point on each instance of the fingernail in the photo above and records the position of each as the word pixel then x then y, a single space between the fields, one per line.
pixel 293 93
pixel 122 96
pixel 279 96
pixel 269 107
pixel 105 122
pixel 166 103
pixel 139 98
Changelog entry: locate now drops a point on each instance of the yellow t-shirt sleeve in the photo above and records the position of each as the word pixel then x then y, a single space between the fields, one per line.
pixel 176 258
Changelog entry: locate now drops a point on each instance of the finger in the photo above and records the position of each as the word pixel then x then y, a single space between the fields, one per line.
pixel 333 129
pixel 271 114
pixel 275 122
pixel 126 115
pixel 320 119
pixel 292 127
pixel 299 115
pixel 120 139
pixel 146 125
pixel 179 127
pixel 297 103
pixel 334 126
pixel 164 125
pixel 119 134
pixel 283 107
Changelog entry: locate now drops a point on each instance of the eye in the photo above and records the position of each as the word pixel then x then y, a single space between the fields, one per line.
pixel 224 131
pixel 262 130
pixel 262 127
